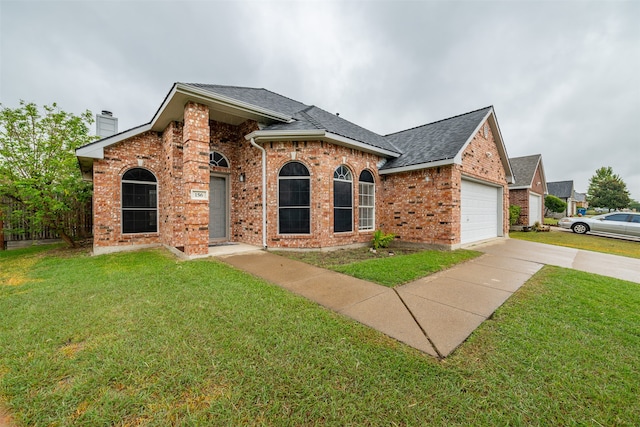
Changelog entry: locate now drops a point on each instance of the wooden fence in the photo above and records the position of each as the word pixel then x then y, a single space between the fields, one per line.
pixel 78 222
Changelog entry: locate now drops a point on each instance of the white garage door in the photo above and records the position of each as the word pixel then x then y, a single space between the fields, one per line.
pixel 479 212
pixel 535 208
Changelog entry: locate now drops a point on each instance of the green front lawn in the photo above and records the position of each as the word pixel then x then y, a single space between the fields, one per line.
pixel 388 267
pixel 143 339
pixel 587 242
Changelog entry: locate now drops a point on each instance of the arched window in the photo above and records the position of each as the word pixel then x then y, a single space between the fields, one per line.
pixel 139 201
pixel 217 159
pixel 294 199
pixel 342 200
pixel 366 201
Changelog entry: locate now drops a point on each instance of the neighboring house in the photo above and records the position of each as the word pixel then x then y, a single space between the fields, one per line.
pixel 581 200
pixel 529 188
pixel 236 164
pixel 564 191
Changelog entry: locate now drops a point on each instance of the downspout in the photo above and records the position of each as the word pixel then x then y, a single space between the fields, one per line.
pixel 264 192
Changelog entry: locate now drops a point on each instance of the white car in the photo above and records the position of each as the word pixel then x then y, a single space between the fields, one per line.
pixel 625 223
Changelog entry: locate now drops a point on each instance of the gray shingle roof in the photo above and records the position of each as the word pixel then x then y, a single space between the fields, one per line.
pixel 441 140
pixel 524 168
pixel 561 189
pixel 260 97
pixel 313 118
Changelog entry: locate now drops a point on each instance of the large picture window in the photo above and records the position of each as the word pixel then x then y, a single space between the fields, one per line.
pixel 139 202
pixel 342 200
pixel 294 199
pixel 366 201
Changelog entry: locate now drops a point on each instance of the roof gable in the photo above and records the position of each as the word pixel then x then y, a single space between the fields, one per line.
pixel 561 189
pixel 524 171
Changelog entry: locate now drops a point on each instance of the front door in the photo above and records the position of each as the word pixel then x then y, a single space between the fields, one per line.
pixel 217 208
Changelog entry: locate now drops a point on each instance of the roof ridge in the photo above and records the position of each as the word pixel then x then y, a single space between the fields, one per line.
pixel 312 120
pixel 439 121
pixel 247 87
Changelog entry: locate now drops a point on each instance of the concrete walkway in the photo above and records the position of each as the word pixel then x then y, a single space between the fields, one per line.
pixel 437 313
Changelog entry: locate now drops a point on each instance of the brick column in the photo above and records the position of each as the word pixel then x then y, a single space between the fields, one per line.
pixel 195 137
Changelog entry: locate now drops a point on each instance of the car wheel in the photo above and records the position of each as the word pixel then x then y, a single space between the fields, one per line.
pixel 580 228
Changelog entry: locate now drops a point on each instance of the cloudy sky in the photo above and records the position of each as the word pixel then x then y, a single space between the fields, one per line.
pixel 563 76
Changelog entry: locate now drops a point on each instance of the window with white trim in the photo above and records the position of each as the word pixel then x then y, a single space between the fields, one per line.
pixel 366 201
pixel 342 200
pixel 139 201
pixel 294 199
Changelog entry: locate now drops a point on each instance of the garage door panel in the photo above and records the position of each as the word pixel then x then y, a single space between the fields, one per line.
pixel 479 211
pixel 535 209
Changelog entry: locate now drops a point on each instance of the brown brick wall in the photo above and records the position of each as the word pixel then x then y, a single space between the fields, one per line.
pixel 420 206
pixel 321 158
pixel 145 151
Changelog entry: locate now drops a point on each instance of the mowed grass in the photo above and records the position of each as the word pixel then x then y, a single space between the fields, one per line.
pixel 141 339
pixel 402 266
pixel 587 242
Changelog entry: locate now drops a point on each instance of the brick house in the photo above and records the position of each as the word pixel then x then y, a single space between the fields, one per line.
pixel 235 164
pixel 528 189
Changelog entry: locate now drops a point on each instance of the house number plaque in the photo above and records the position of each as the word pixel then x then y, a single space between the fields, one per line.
pixel 199 194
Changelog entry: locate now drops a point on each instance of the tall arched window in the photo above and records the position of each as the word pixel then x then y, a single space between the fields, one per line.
pixel 139 201
pixel 294 199
pixel 342 200
pixel 366 201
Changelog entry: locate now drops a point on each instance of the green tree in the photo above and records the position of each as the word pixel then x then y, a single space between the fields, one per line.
pixel 38 167
pixel 607 190
pixel 554 204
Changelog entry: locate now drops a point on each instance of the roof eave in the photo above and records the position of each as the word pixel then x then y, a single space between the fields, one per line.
pixel 419 166
pixel 318 135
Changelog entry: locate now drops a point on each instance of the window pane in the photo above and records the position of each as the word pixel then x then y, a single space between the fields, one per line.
pixel 294 169
pixel 138 174
pixel 138 195
pixel 139 221
pixel 366 176
pixel 342 220
pixel 366 218
pixel 294 192
pixel 342 194
pixel 294 220
pixel 617 217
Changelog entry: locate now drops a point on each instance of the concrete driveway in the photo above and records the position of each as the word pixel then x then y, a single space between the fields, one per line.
pixel 592 262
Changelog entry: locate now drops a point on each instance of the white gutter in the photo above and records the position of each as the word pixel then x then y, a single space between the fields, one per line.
pixel 264 192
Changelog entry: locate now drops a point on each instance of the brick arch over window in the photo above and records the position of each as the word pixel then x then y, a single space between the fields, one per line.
pixel 139 201
pixel 294 199
pixel 342 199
pixel 366 201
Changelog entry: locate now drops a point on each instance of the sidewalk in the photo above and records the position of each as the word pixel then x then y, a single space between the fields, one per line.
pixel 437 313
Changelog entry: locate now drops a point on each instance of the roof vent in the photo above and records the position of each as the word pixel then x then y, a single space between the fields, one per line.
pixel 106 124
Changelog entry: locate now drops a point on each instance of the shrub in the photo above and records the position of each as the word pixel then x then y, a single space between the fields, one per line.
pixel 514 214
pixel 381 240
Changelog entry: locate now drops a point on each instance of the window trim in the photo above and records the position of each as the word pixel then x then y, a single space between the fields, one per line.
pixel 308 177
pixel 122 208
pixel 371 207
pixel 350 173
